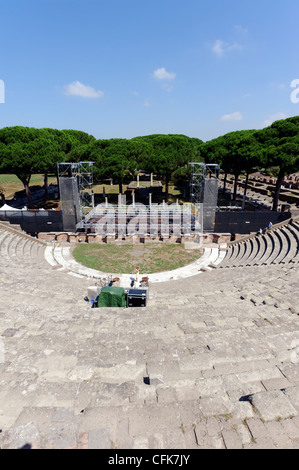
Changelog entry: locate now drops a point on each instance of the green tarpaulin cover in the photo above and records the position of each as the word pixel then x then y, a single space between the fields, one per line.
pixel 112 297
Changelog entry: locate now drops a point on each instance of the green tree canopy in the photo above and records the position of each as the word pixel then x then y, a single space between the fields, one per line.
pixel 23 150
pixel 235 152
pixel 116 158
pixel 280 143
pixel 76 144
pixel 27 150
pixel 168 153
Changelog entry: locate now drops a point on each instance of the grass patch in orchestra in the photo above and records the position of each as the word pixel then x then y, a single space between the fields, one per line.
pixel 123 259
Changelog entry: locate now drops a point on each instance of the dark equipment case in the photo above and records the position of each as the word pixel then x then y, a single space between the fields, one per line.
pixel 136 298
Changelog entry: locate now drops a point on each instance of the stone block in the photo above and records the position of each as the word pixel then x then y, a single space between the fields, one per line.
pixel 293 395
pixel 264 443
pixel 272 405
pixel 243 433
pixel 291 427
pixel 257 428
pixel 231 439
pixel 213 428
pixel 60 436
pixel 46 236
pixel 23 436
pixel 72 238
pixel 276 384
pixel 91 238
pixel 202 437
pixel 211 406
pixel 99 439
pixel 166 394
pixel 77 237
pixel 62 237
pixel 277 434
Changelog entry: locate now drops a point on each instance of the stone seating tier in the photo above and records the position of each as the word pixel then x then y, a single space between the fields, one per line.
pixel 277 246
pixel 210 363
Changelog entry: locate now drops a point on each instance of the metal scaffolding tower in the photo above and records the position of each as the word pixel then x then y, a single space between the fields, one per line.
pixel 83 172
pixel 199 173
pixel 204 190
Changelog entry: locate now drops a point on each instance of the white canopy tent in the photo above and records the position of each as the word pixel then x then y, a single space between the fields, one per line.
pixel 8 208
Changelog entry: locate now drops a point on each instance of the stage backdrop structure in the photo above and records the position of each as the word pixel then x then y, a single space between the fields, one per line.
pixel 162 222
pixel 74 179
pixel 204 190
pixel 156 221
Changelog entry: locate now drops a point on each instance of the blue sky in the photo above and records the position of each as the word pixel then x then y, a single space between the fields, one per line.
pixel 123 68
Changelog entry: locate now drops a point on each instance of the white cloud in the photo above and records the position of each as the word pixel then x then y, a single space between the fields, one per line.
pixel 234 47
pixel 241 29
pixel 78 89
pixel 237 116
pixel 162 74
pixel 274 117
pixel 278 86
pixel 146 103
pixel 220 48
pixel 167 87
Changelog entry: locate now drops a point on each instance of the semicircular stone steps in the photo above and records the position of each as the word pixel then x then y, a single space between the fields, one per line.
pixel 294 229
pixel 19 247
pixel 195 369
pixel 59 256
pixel 278 246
